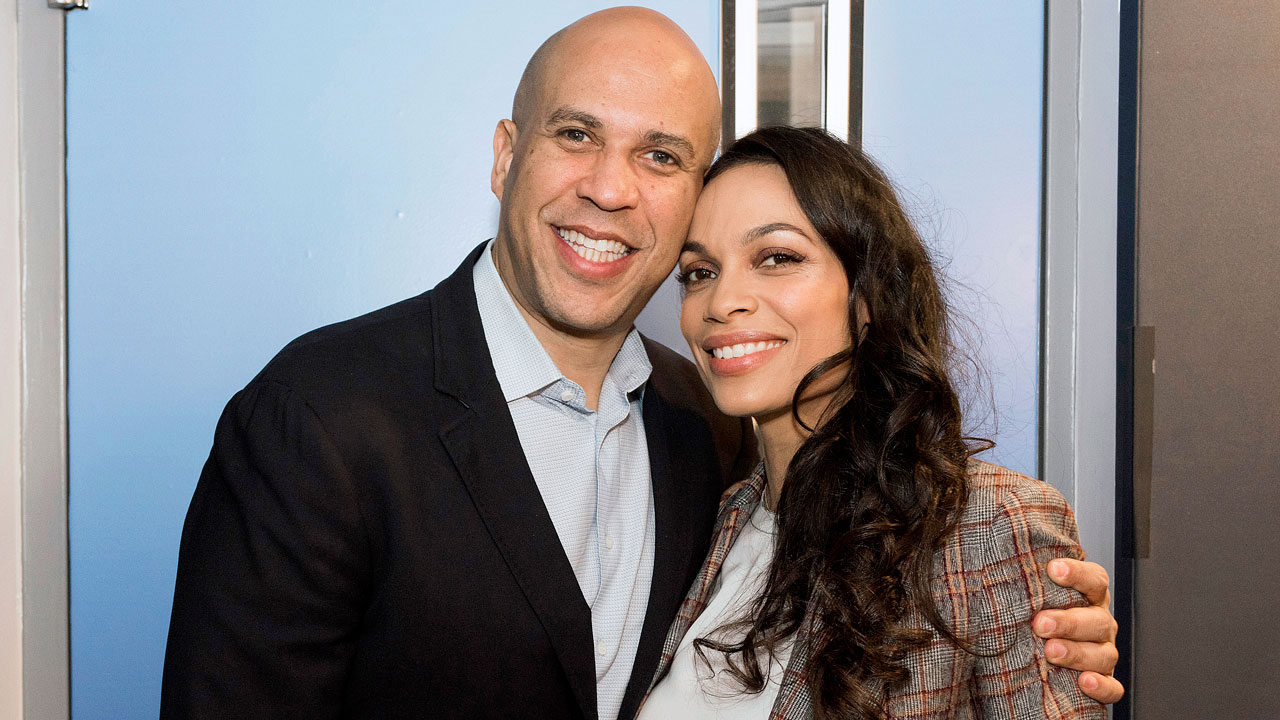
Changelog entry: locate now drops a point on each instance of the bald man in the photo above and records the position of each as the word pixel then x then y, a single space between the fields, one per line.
pixel 488 500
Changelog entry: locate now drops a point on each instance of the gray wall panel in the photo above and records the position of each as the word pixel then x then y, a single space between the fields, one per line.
pixel 1209 282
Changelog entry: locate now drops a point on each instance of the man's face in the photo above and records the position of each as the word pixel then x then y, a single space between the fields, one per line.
pixel 598 185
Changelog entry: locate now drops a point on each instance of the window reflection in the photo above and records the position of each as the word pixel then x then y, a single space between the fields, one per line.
pixel 790 47
pixel 796 62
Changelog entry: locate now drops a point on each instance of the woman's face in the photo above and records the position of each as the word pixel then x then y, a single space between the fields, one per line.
pixel 765 299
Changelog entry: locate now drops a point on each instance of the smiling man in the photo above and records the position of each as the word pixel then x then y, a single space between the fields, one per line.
pixel 488 500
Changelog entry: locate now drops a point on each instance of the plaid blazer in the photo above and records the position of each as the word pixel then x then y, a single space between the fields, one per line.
pixel 989 580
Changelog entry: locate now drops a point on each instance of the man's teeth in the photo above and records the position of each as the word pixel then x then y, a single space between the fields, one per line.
pixel 591 249
pixel 736 351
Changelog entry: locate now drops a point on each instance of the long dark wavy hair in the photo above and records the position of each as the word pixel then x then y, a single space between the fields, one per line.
pixel 881 481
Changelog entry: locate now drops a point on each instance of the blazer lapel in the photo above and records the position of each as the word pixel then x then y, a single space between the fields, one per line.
pixel 485 448
pixel 681 497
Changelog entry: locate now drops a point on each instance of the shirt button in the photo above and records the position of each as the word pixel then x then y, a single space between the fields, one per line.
pixel 601 649
pixel 566 396
pixel 608 542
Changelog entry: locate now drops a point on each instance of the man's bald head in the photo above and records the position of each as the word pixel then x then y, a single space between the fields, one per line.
pixel 653 39
pixel 613 127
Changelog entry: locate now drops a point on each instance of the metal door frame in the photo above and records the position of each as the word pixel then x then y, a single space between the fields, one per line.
pixel 32 78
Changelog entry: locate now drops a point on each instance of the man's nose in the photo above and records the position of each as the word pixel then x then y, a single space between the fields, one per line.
pixel 611 183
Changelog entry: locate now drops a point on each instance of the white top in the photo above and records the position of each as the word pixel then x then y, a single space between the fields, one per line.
pixel 592 470
pixel 698 690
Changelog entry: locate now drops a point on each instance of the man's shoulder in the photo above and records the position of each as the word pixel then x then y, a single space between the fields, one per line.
pixel 676 378
pixel 392 340
pixel 389 345
pixel 693 428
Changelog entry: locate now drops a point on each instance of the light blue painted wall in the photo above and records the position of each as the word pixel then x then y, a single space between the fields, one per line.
pixel 952 107
pixel 238 173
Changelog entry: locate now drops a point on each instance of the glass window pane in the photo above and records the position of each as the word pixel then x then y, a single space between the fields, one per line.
pixel 791 48
pixel 952 106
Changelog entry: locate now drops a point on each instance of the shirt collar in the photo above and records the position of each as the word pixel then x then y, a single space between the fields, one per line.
pixel 521 364
pixel 631 367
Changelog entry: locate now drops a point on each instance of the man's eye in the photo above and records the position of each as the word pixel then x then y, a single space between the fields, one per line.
pixel 573 135
pixel 662 157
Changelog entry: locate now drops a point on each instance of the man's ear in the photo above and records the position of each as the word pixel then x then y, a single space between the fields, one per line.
pixel 504 148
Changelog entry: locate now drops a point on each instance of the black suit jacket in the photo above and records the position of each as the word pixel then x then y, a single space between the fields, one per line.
pixel 366 538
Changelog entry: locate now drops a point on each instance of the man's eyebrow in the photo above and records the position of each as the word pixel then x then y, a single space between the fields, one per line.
pixel 572 116
pixel 675 142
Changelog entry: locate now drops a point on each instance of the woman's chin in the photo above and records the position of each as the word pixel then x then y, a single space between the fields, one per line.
pixel 739 405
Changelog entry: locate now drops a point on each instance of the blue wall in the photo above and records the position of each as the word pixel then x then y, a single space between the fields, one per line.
pixel 953 98
pixel 238 173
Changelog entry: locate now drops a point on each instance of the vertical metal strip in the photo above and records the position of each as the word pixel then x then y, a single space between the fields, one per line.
pixel 1059 250
pixel 857 20
pixel 837 66
pixel 746 67
pixel 728 57
pixel 45 581
pixel 1124 583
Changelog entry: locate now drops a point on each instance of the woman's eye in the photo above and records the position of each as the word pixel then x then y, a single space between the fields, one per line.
pixel 779 258
pixel 694 275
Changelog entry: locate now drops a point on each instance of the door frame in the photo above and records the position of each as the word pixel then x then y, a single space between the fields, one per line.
pixel 1078 266
pixel 34 589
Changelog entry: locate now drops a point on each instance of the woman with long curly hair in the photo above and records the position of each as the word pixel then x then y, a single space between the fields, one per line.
pixel 870 567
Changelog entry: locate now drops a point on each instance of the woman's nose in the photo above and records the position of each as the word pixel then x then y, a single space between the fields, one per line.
pixel 731 295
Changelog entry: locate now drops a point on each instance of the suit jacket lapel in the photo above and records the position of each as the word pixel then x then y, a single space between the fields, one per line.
pixel 485 448
pixel 682 492
pixel 672 538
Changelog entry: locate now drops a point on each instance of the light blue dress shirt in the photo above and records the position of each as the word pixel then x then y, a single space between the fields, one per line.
pixel 592 469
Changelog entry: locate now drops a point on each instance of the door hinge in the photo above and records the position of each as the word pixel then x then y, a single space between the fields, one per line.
pixel 69 4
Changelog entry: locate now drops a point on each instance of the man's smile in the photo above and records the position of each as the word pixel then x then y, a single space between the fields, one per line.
pixel 601 250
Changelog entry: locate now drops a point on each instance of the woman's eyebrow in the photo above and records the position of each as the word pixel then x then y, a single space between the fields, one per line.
pixel 749 237
pixel 758 232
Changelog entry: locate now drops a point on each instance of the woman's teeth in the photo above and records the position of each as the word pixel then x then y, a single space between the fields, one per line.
pixel 735 351
pixel 593 250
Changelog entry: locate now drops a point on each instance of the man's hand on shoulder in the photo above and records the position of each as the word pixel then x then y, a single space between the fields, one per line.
pixel 1083 638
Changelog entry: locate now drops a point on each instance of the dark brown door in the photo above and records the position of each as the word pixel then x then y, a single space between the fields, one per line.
pixel 1207 615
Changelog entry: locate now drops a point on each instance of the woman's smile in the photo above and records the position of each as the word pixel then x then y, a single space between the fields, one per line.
pixel 740 352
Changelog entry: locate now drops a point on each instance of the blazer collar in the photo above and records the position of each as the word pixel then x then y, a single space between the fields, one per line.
pixel 486 451
pixel 740 501
pixel 462 365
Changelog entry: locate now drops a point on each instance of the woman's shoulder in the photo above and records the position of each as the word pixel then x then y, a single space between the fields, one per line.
pixel 989 580
pixel 1008 519
pixel 997 493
